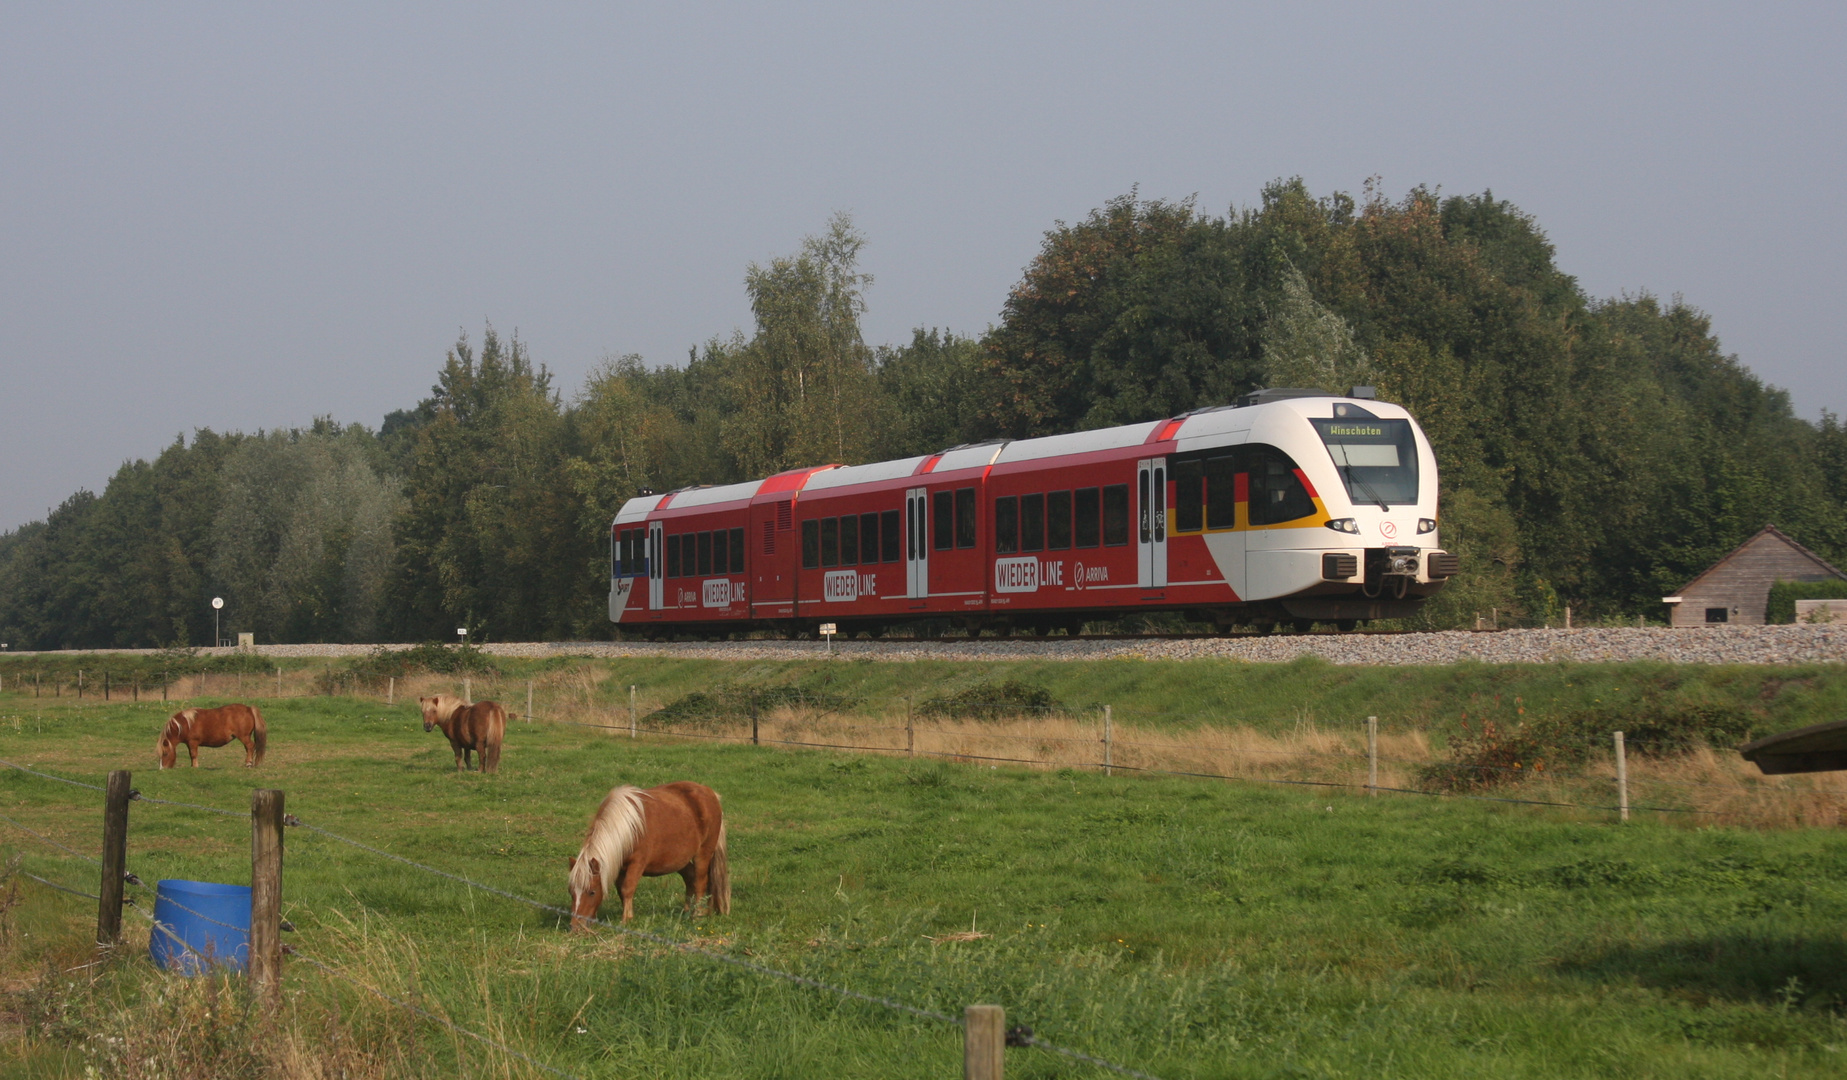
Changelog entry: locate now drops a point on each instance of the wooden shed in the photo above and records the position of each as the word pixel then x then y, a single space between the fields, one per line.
pixel 1736 589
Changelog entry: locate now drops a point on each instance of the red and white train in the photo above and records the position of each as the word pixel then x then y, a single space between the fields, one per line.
pixel 1293 506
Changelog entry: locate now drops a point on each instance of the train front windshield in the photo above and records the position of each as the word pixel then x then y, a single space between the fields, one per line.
pixel 1377 458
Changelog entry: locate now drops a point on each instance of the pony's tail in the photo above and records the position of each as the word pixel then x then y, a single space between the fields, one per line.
pixel 259 732
pixel 719 877
pixel 490 746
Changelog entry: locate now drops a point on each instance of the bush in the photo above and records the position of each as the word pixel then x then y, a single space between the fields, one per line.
pixel 737 702
pixel 1784 594
pixel 991 701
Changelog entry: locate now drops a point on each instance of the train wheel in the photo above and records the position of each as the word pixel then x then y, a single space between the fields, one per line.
pixel 1263 626
pixel 1303 626
pixel 1346 626
pixel 1041 629
pixel 1074 627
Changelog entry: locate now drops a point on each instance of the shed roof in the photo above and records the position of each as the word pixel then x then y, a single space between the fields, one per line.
pixel 1774 533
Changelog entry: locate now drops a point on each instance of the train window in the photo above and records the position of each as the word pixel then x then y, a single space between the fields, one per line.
pixel 1032 523
pixel 1221 493
pixel 868 538
pixel 737 550
pixel 673 556
pixel 689 554
pixel 1058 520
pixel 1088 510
pixel 811 544
pixel 1276 492
pixel 942 507
pixel 617 566
pixel 1006 525
pixel 830 541
pixel 1376 458
pixel 721 551
pixel 705 553
pixel 1189 495
pixel 890 542
pixel 1115 515
pixel 849 541
pixel 965 517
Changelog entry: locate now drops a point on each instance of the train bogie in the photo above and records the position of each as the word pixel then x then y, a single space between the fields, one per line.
pixel 1300 508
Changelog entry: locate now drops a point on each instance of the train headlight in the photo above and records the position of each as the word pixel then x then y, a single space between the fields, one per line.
pixel 1426 525
pixel 1346 525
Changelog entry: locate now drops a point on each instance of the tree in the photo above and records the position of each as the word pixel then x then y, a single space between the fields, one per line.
pixel 803 386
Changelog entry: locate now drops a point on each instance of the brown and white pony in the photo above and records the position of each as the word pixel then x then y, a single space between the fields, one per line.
pixel 676 828
pixel 479 727
pixel 194 728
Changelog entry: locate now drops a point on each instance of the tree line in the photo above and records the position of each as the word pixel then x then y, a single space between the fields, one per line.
pixel 1594 452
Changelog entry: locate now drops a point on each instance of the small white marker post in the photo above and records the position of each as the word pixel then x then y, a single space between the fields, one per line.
pixel 529 701
pixel 827 631
pixel 631 711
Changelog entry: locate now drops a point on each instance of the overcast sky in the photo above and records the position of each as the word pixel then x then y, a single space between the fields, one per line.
pixel 247 215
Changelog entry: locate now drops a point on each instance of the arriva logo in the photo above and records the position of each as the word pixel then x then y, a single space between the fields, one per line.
pixel 720 592
pixel 1026 575
pixel 848 585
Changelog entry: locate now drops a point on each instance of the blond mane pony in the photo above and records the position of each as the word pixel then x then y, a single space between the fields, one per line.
pixel 613 833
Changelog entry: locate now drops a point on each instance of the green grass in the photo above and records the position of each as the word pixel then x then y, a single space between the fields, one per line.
pixel 1187 928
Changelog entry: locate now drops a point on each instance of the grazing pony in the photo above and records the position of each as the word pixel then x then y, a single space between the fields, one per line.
pixel 676 828
pixel 213 727
pixel 478 727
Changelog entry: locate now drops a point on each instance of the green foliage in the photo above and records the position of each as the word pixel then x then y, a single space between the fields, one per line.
pixel 1784 594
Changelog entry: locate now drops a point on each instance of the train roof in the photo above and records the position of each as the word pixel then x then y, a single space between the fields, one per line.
pixel 1199 428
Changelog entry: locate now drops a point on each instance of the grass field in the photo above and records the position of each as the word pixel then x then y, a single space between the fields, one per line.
pixel 1186 928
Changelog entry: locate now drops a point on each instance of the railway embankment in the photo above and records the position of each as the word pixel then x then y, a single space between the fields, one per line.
pixel 1696 645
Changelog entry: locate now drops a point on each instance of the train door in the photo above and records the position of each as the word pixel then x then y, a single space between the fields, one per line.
pixel 916 544
pixel 1151 523
pixel 656 567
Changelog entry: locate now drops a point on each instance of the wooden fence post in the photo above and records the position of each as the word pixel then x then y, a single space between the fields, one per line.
pixel 1622 778
pixel 1108 725
pixel 80 683
pixel 278 680
pixel 266 892
pixel 529 701
pixel 468 693
pixel 1372 755
pixel 631 711
pixel 105 684
pixel 115 859
pixel 984 1042
pixel 165 678
pixel 391 690
pixel 910 729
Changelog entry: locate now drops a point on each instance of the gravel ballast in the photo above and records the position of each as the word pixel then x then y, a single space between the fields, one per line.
pixel 1692 645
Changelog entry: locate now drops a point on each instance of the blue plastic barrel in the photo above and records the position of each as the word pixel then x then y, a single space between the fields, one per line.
pixel 210 921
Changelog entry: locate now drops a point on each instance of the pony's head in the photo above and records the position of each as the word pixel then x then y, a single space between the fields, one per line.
pixel 438 708
pixel 167 746
pixel 587 891
pixel 614 831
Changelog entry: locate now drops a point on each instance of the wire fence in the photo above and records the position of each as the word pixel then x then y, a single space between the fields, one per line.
pixel 1020 1037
